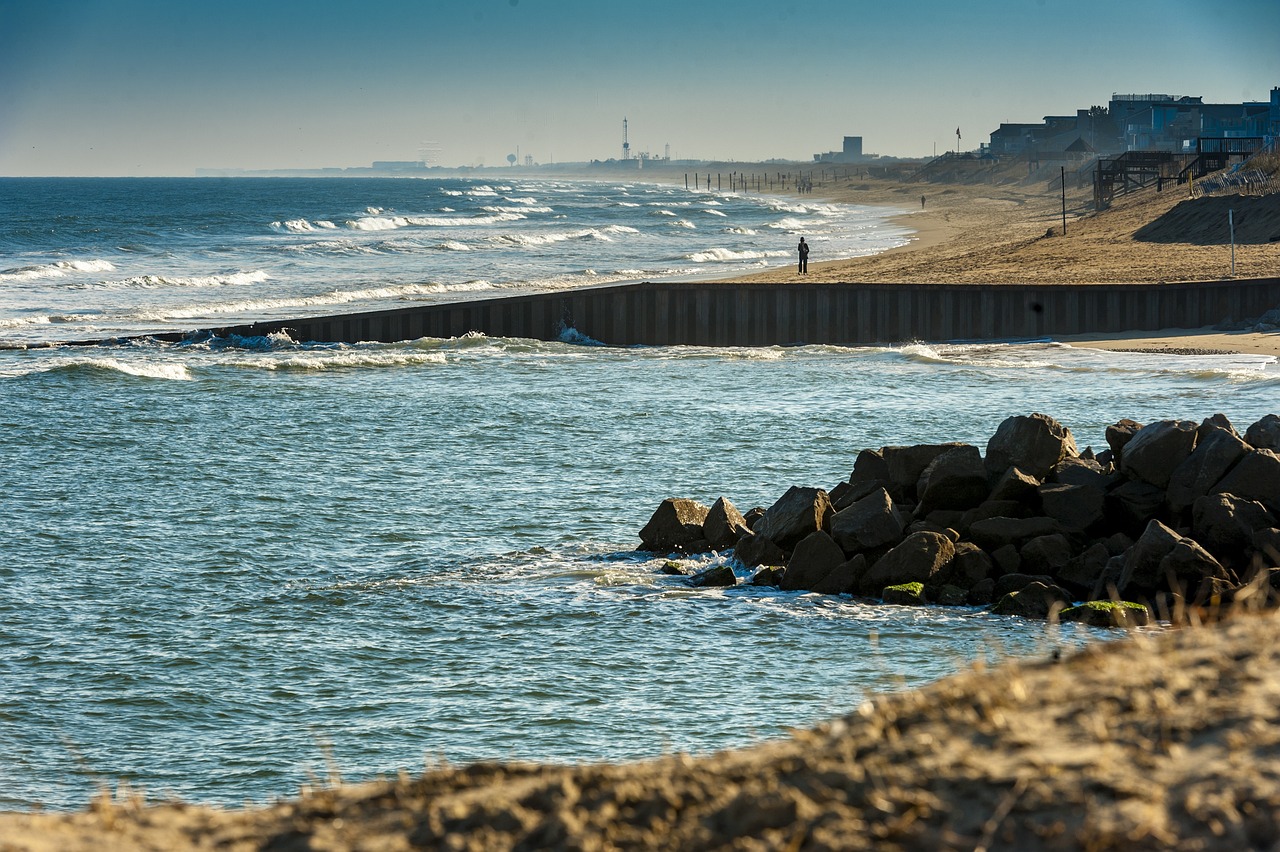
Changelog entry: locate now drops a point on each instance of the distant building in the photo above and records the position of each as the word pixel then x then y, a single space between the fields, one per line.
pixel 850 153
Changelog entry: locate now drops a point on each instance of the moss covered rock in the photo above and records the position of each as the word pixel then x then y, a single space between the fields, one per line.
pixel 904 594
pixel 1107 614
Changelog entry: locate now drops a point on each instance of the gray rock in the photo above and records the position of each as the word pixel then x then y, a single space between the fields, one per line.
pixel 1084 571
pixel 1156 449
pixel 716 576
pixel 1142 563
pixel 995 533
pixel 1006 560
pixel 1161 558
pixel 769 575
pixel 1034 444
pixel 1076 507
pixel 916 560
pixel 1266 545
pixel 1132 504
pixel 950 596
pixel 970 566
pixel 1217 452
pixel 905 465
pixel 997 509
pixel 753 516
pixel 844 578
pixel 855 491
pixel 1038 600
pixel 1015 485
pixel 907 594
pixel 1107 614
pixel 1118 435
pixel 676 524
pixel 873 521
pixel 981 593
pixel 814 558
pixel 1265 434
pixel 1017 582
pixel 1046 554
pixel 1079 471
pixel 1225 524
pixel 955 479
pixel 798 513
pixel 724 524
pixel 869 466
pixel 752 550
pixel 1255 477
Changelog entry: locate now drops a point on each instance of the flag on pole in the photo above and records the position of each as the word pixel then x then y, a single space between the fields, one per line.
pixel 957 132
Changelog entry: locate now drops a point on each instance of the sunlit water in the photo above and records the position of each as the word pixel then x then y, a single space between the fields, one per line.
pixel 228 564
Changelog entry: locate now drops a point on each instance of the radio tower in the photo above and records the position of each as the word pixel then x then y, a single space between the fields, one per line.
pixel 626 146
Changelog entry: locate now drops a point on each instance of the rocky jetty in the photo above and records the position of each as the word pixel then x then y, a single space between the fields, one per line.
pixel 1172 518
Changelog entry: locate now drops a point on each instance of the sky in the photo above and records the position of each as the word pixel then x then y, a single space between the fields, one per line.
pixel 166 87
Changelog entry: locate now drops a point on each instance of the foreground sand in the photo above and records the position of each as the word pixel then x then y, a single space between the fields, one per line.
pixel 1164 740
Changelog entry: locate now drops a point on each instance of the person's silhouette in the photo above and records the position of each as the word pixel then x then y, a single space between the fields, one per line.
pixel 803 248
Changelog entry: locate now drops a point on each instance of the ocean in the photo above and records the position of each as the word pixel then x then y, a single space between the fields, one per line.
pixel 232 567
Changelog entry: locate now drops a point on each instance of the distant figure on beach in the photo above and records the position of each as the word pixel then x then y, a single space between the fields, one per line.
pixel 803 248
pixel 922 202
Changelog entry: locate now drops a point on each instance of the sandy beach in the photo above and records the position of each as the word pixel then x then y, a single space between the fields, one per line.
pixel 1164 740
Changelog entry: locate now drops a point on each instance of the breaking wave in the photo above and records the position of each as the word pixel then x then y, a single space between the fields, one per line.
pixel 59 269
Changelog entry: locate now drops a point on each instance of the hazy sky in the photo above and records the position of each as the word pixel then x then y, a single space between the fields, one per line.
pixel 163 87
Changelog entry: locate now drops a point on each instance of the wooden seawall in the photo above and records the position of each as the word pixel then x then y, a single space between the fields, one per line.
pixel 738 314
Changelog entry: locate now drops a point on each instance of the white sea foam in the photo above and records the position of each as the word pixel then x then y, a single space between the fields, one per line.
pixel 715 213
pixel 746 232
pixel 526 200
pixel 454 245
pixel 391 223
pixel 503 209
pixel 685 223
pixel 724 254
pixel 789 224
pixel 149 282
pixel 58 269
pixel 663 213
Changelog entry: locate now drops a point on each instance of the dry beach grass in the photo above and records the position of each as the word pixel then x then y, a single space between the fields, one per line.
pixel 1170 739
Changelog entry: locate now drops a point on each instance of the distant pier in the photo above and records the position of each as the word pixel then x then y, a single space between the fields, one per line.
pixel 745 314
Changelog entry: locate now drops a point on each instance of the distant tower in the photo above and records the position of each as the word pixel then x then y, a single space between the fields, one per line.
pixel 667 155
pixel 626 146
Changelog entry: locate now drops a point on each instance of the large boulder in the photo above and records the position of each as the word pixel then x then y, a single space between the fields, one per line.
pixel 798 513
pixel 1225 524
pixel 905 464
pixel 724 524
pixel 1017 582
pixel 1118 435
pixel 1255 477
pixel 870 466
pixel 970 566
pixel 1038 600
pixel 752 550
pixel 1034 443
pixel 955 479
pixel 675 525
pixel 917 559
pixel 1156 449
pixel 844 578
pixel 1017 485
pixel 1080 471
pixel 1217 452
pixel 1132 504
pixel 1265 434
pixel 1161 559
pixel 814 558
pixel 994 533
pixel 874 521
pixel 1046 554
pixel 1084 571
pixel 713 577
pixel 1107 614
pixel 905 594
pixel 1076 507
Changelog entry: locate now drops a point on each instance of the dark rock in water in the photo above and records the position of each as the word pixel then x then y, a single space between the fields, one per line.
pixel 673 568
pixel 769 575
pixel 869 466
pixel 753 515
pixel 844 578
pixel 1255 477
pixel 1080 471
pixel 904 594
pixel 872 522
pixel 982 593
pixel 724 524
pixel 1015 485
pixel 916 560
pixel 994 533
pixel 1265 434
pixel 1076 507
pixel 1226 525
pixel 907 463
pixel 950 596
pixel 716 576
pixel 1083 572
pixel 1037 600
pixel 1118 435
pixel 968 567
pixel 857 491
pixel 752 550
pixel 1161 556
pixel 1132 504
pixel 1017 582
pixel 1006 560
pixel 676 524
pixel 1035 444
pixel 1216 453
pixel 798 513
pixel 814 558
pixel 1046 554
pixel 1217 421
pixel 1107 614
pixel 955 479
pixel 1156 449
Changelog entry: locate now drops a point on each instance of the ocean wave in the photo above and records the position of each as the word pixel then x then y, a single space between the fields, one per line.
pixel 302 226
pixel 502 209
pixel 391 223
pixel 744 232
pixel 685 223
pixel 149 369
pixel 58 269
pixel 453 245
pixel 151 282
pixel 724 254
pixel 526 200
pixel 789 224
pixel 663 212
pixel 333 297
pixel 716 213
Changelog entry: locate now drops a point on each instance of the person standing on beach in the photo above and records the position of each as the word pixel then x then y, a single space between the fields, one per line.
pixel 803 248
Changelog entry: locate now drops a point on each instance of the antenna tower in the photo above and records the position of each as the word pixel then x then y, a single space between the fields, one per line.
pixel 626 145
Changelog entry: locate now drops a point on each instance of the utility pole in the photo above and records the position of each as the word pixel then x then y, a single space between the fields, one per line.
pixel 1064 200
